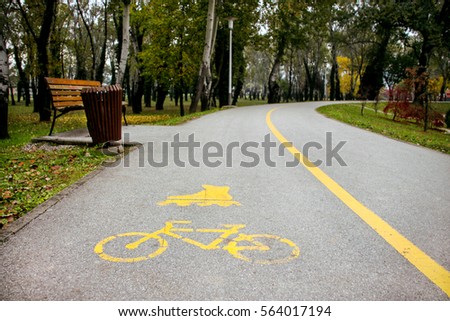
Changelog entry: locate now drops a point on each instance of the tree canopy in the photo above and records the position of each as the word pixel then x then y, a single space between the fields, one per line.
pixel 283 50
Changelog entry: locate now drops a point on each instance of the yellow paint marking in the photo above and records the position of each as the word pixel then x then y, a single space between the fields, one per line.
pixel 211 195
pixel 162 246
pixel 424 263
pixel 224 241
pixel 225 233
pixel 234 249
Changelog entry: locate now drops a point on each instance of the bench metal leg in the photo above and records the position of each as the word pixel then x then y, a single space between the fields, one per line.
pixel 53 123
pixel 124 110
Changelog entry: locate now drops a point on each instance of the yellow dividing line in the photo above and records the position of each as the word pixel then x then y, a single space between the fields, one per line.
pixel 425 264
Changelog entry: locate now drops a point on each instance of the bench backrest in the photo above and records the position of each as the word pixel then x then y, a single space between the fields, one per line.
pixel 67 92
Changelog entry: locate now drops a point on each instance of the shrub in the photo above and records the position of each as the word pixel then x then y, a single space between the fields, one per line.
pixel 401 107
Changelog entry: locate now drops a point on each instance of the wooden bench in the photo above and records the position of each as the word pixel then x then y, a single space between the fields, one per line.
pixel 66 96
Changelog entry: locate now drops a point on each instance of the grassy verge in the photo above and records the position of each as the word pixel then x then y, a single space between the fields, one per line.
pixel 32 173
pixel 381 123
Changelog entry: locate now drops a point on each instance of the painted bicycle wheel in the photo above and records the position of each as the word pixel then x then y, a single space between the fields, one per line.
pixel 263 249
pixel 131 247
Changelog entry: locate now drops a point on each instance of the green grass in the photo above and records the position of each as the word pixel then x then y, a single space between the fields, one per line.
pixel 33 176
pixel 440 107
pixel 383 124
pixel 32 173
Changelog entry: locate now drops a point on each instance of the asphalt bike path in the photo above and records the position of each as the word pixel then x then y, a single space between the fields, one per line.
pixel 251 224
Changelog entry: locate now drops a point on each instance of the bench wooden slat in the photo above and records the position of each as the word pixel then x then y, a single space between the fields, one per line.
pixel 67 98
pixel 56 93
pixel 68 87
pixel 62 81
pixel 61 104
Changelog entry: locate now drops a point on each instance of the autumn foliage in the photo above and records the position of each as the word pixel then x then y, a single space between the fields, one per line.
pixel 403 105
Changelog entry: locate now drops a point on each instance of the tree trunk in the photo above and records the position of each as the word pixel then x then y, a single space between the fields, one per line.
pixel 137 93
pixel 338 95
pixel 179 94
pixel 113 72
pixel 127 86
pixel 41 103
pixel 4 80
pixel 274 95
pixel 22 85
pixel 161 93
pixel 424 58
pixel 27 93
pixel 333 82
pixel 55 50
pixel 335 90
pixel 220 88
pixel 80 60
pixel 181 105
pixel 35 95
pixel 180 86
pixel 148 87
pixel 11 90
pixel 204 78
pixel 351 95
pixel 125 41
pixel 372 79
pixel 101 65
pixel 309 84
pixel 42 100
pixel 138 80
pixel 239 85
pixel 91 40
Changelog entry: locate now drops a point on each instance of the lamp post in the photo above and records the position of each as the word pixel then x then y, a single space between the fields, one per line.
pixel 230 73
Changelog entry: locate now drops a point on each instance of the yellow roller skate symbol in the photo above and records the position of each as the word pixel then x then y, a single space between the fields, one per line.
pixel 210 195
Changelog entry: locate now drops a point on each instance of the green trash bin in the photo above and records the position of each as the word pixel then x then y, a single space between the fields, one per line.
pixel 103 107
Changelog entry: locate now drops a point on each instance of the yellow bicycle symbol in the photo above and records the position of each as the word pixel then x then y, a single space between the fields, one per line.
pixel 256 248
